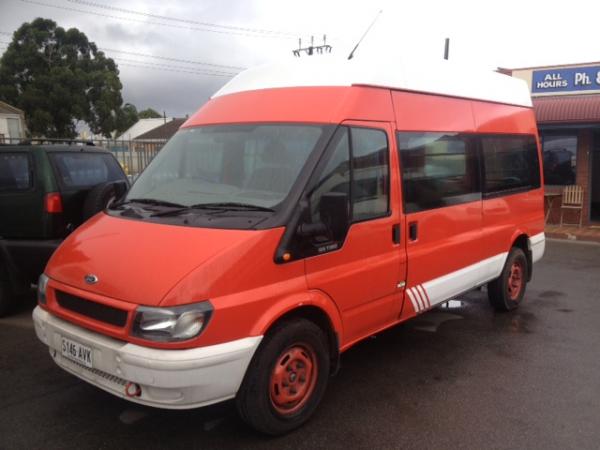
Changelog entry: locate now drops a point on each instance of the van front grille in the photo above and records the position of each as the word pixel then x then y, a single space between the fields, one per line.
pixel 93 310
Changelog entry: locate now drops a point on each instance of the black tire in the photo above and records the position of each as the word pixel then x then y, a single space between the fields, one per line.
pixel 6 299
pixel 98 198
pixel 255 400
pixel 506 292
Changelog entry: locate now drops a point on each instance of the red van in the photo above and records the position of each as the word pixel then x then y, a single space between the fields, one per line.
pixel 306 206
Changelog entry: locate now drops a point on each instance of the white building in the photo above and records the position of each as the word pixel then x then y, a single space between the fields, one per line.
pixel 142 126
pixel 12 124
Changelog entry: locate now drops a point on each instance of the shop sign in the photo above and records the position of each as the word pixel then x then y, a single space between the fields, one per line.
pixel 566 80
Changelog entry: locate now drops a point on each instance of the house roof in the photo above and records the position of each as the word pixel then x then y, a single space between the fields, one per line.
pixel 5 108
pixel 142 126
pixel 567 108
pixel 164 131
pixel 428 76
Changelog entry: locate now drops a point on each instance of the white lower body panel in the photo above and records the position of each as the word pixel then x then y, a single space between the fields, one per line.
pixel 173 379
pixel 431 293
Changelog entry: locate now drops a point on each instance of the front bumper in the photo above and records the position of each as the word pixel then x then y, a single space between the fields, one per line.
pixel 173 379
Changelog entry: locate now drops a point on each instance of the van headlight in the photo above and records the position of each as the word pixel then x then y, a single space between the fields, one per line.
pixel 41 289
pixel 178 323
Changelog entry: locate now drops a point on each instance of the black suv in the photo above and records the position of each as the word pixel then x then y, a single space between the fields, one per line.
pixel 46 191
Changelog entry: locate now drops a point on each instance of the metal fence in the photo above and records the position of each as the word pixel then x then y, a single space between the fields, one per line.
pixel 133 155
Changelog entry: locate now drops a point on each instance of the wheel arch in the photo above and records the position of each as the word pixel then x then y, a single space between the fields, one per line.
pixel 521 240
pixel 320 310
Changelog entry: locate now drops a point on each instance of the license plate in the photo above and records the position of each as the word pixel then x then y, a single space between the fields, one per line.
pixel 77 352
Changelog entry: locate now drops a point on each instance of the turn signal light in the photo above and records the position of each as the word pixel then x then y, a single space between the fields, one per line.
pixel 53 203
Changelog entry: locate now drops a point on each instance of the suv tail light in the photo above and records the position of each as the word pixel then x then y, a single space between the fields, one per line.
pixel 53 203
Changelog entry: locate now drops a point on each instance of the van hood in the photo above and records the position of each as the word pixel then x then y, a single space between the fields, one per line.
pixel 140 262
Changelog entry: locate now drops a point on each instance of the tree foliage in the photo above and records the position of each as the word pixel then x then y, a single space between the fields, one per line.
pixel 127 116
pixel 58 77
pixel 149 113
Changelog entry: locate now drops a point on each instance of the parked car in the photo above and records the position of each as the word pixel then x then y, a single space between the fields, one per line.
pixel 46 191
pixel 304 208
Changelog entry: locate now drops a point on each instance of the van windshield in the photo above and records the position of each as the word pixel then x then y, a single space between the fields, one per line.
pixel 244 165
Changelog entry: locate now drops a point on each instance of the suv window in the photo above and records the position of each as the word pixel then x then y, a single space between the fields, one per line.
pixel 15 172
pixel 86 169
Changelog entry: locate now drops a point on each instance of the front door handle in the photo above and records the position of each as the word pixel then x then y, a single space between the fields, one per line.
pixel 396 233
pixel 413 231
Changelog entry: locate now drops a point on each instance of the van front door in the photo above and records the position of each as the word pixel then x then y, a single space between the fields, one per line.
pixel 361 263
pixel 442 202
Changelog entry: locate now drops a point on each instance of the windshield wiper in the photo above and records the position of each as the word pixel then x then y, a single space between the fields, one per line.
pixel 221 206
pixel 150 201
pixel 232 206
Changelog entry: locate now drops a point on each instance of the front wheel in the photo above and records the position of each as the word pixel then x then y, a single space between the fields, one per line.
pixel 286 379
pixel 506 292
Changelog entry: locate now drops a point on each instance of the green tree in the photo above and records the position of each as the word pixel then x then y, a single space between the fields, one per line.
pixel 58 77
pixel 149 113
pixel 127 116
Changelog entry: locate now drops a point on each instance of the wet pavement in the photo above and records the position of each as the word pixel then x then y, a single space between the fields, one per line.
pixel 461 376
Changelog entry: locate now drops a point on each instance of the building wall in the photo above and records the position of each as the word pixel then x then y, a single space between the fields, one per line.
pixel 4 126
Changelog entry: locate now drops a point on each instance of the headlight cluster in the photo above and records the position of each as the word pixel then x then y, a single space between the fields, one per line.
pixel 178 323
pixel 41 289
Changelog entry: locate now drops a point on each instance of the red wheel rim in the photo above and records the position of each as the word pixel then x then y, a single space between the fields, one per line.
pixel 515 281
pixel 293 379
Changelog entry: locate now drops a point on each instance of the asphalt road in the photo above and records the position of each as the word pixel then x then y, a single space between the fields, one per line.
pixel 461 376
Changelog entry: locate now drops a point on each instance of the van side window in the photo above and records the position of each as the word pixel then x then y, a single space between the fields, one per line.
pixel 438 169
pixel 332 192
pixel 370 185
pixel 510 164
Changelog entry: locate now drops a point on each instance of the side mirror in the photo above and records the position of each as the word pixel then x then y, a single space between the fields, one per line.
pixel 335 213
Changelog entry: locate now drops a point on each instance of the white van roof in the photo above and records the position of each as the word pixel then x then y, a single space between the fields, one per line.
pixel 435 77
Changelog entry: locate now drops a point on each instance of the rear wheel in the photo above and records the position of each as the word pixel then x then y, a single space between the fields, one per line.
pixel 506 292
pixel 286 379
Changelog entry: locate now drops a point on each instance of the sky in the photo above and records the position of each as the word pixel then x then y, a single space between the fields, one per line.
pixel 170 38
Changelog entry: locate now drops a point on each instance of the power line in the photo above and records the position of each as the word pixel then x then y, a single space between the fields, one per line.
pixel 168 66
pixel 175 70
pixel 127 19
pixel 164 58
pixel 176 19
pixel 167 58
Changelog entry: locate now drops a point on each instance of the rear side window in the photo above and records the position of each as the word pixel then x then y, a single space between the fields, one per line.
pixel 438 169
pixel 15 172
pixel 86 169
pixel 510 163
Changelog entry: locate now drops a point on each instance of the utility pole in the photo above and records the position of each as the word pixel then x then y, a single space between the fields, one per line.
pixel 312 48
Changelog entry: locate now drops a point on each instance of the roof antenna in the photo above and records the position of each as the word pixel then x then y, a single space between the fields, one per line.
pixel 363 36
pixel 447 48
